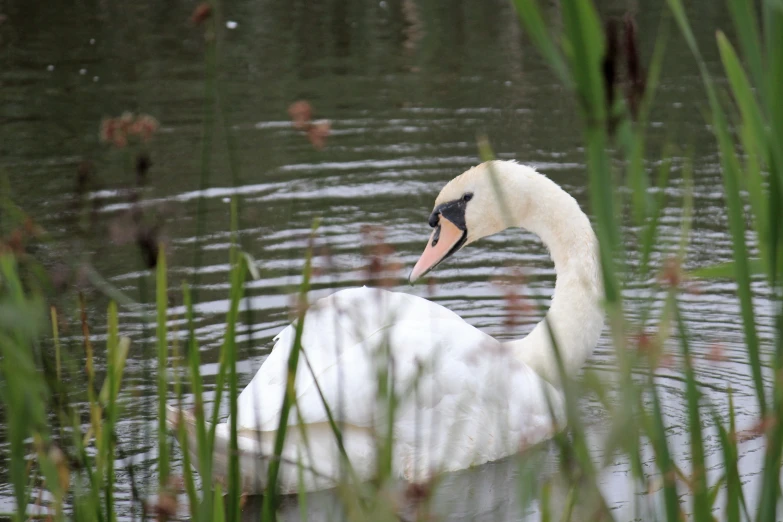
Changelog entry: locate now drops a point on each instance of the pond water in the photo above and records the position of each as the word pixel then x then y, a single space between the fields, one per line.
pixel 407 86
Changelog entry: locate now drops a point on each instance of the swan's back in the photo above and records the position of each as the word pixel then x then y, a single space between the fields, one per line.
pixel 462 399
pixel 334 328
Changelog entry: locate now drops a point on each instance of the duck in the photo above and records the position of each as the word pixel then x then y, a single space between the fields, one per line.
pixel 460 397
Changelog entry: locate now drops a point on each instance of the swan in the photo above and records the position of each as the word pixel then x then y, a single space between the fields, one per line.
pixel 462 397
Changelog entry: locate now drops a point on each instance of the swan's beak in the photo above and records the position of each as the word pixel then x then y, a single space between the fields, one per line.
pixel 446 239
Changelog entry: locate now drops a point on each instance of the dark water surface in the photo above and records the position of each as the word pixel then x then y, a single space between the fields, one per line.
pixel 407 85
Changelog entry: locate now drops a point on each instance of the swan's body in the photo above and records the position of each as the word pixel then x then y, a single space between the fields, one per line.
pixel 463 398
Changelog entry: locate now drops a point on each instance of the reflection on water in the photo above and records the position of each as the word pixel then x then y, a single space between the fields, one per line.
pixel 407 85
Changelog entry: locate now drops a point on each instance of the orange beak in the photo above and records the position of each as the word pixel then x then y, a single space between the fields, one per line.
pixel 444 241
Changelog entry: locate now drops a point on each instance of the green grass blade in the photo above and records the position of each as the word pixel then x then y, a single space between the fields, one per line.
pixel 742 91
pixel 388 396
pixel 701 505
pixel 687 211
pixel 187 472
pixel 733 439
pixel 546 513
pixel 57 347
pixel 773 23
pixel 530 16
pixel 728 270
pixel 220 383
pixel 111 406
pixel 219 513
pixel 638 181
pixel 663 456
pixel 731 173
pixel 650 231
pixel 773 20
pixel 770 494
pixel 760 198
pixel 678 11
pixel 203 451
pixel 208 128
pixel 743 15
pixel 111 387
pixel 583 30
pixel 301 494
pixel 230 347
pixel 754 138
pixel 332 424
pixel 654 71
pixel 162 336
pixel 712 493
pixel 269 507
pixel 569 504
pixel 577 448
pixel 733 486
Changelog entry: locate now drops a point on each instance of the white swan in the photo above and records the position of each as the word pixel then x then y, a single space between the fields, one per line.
pixel 463 397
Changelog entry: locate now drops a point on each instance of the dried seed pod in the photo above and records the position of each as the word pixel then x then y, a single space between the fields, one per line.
pixel 634 91
pixel 147 239
pixel 716 353
pixel 84 174
pixel 143 164
pixel 671 275
pixel 201 13
pixel 609 64
pixel 301 112
pixel 757 430
pixel 117 131
pixel 318 132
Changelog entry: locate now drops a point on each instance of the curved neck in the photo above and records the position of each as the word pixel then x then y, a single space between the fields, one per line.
pixel 575 314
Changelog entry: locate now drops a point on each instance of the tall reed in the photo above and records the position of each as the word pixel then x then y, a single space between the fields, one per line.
pixel 77 464
pixel 586 50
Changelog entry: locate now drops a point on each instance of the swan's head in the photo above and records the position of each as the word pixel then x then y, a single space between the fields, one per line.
pixel 469 207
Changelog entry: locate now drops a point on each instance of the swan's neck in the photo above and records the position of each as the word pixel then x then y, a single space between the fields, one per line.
pixel 575 314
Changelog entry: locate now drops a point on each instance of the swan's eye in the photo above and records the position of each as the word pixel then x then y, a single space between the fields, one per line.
pixel 467 197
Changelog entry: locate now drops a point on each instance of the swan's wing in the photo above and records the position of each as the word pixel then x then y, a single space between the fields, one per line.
pixel 446 372
pixel 463 399
pixel 333 325
pixel 472 403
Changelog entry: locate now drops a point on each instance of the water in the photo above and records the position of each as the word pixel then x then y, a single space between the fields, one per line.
pixel 407 87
